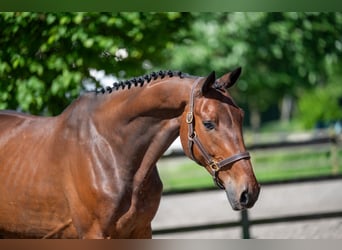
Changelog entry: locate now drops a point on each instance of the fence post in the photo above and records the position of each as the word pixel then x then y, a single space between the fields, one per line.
pixel 245 224
pixel 334 155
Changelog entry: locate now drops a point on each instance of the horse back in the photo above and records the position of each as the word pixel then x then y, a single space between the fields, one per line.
pixel 28 145
pixel 30 180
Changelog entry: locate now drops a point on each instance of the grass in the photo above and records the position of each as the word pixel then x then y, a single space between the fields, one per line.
pixel 183 174
pixel 268 165
pixel 299 163
pixel 276 126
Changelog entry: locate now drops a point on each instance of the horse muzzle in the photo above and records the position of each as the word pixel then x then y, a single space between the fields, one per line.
pixel 242 198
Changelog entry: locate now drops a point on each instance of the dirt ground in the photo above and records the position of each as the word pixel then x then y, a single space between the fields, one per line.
pixel 274 201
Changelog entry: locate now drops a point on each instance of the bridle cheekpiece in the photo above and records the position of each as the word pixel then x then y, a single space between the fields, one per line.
pixel 214 165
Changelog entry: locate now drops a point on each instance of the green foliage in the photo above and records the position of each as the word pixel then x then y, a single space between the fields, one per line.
pixel 280 53
pixel 322 104
pixel 45 57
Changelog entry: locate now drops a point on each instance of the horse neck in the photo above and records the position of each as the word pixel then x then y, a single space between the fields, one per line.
pixel 142 120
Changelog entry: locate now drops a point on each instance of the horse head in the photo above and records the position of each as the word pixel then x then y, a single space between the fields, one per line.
pixel 211 135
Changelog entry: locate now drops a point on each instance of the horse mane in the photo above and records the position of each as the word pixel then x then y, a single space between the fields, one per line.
pixel 140 81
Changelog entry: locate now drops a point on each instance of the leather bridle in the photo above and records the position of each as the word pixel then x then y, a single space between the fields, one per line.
pixel 214 165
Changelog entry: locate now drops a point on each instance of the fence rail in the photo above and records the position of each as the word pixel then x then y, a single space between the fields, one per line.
pixel 284 142
pixel 244 223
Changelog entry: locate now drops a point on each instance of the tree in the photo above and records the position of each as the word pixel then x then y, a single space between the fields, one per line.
pixel 321 105
pixel 282 54
pixel 45 57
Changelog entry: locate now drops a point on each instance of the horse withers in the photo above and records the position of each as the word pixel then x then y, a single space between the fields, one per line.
pixel 90 172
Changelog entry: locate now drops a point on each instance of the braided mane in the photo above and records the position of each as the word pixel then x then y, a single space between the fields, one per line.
pixel 140 81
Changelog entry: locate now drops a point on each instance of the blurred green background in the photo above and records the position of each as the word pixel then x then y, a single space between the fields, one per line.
pixel 292 61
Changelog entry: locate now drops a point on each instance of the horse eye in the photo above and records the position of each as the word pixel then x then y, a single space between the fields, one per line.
pixel 209 125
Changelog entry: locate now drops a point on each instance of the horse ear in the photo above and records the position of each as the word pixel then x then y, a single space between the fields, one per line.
pixel 208 82
pixel 230 78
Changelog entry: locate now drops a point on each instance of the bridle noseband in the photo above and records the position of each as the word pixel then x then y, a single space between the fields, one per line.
pixel 193 139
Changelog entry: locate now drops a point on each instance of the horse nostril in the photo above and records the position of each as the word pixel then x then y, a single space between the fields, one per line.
pixel 244 198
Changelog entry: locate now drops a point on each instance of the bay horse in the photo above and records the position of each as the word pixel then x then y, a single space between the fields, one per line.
pixel 90 172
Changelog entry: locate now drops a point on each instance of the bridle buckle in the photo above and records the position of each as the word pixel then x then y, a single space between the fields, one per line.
pixel 214 166
pixel 189 117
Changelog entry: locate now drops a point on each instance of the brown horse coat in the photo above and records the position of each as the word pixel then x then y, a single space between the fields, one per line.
pixel 90 171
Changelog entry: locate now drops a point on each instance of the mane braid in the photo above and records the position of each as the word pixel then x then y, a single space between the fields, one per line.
pixel 140 81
